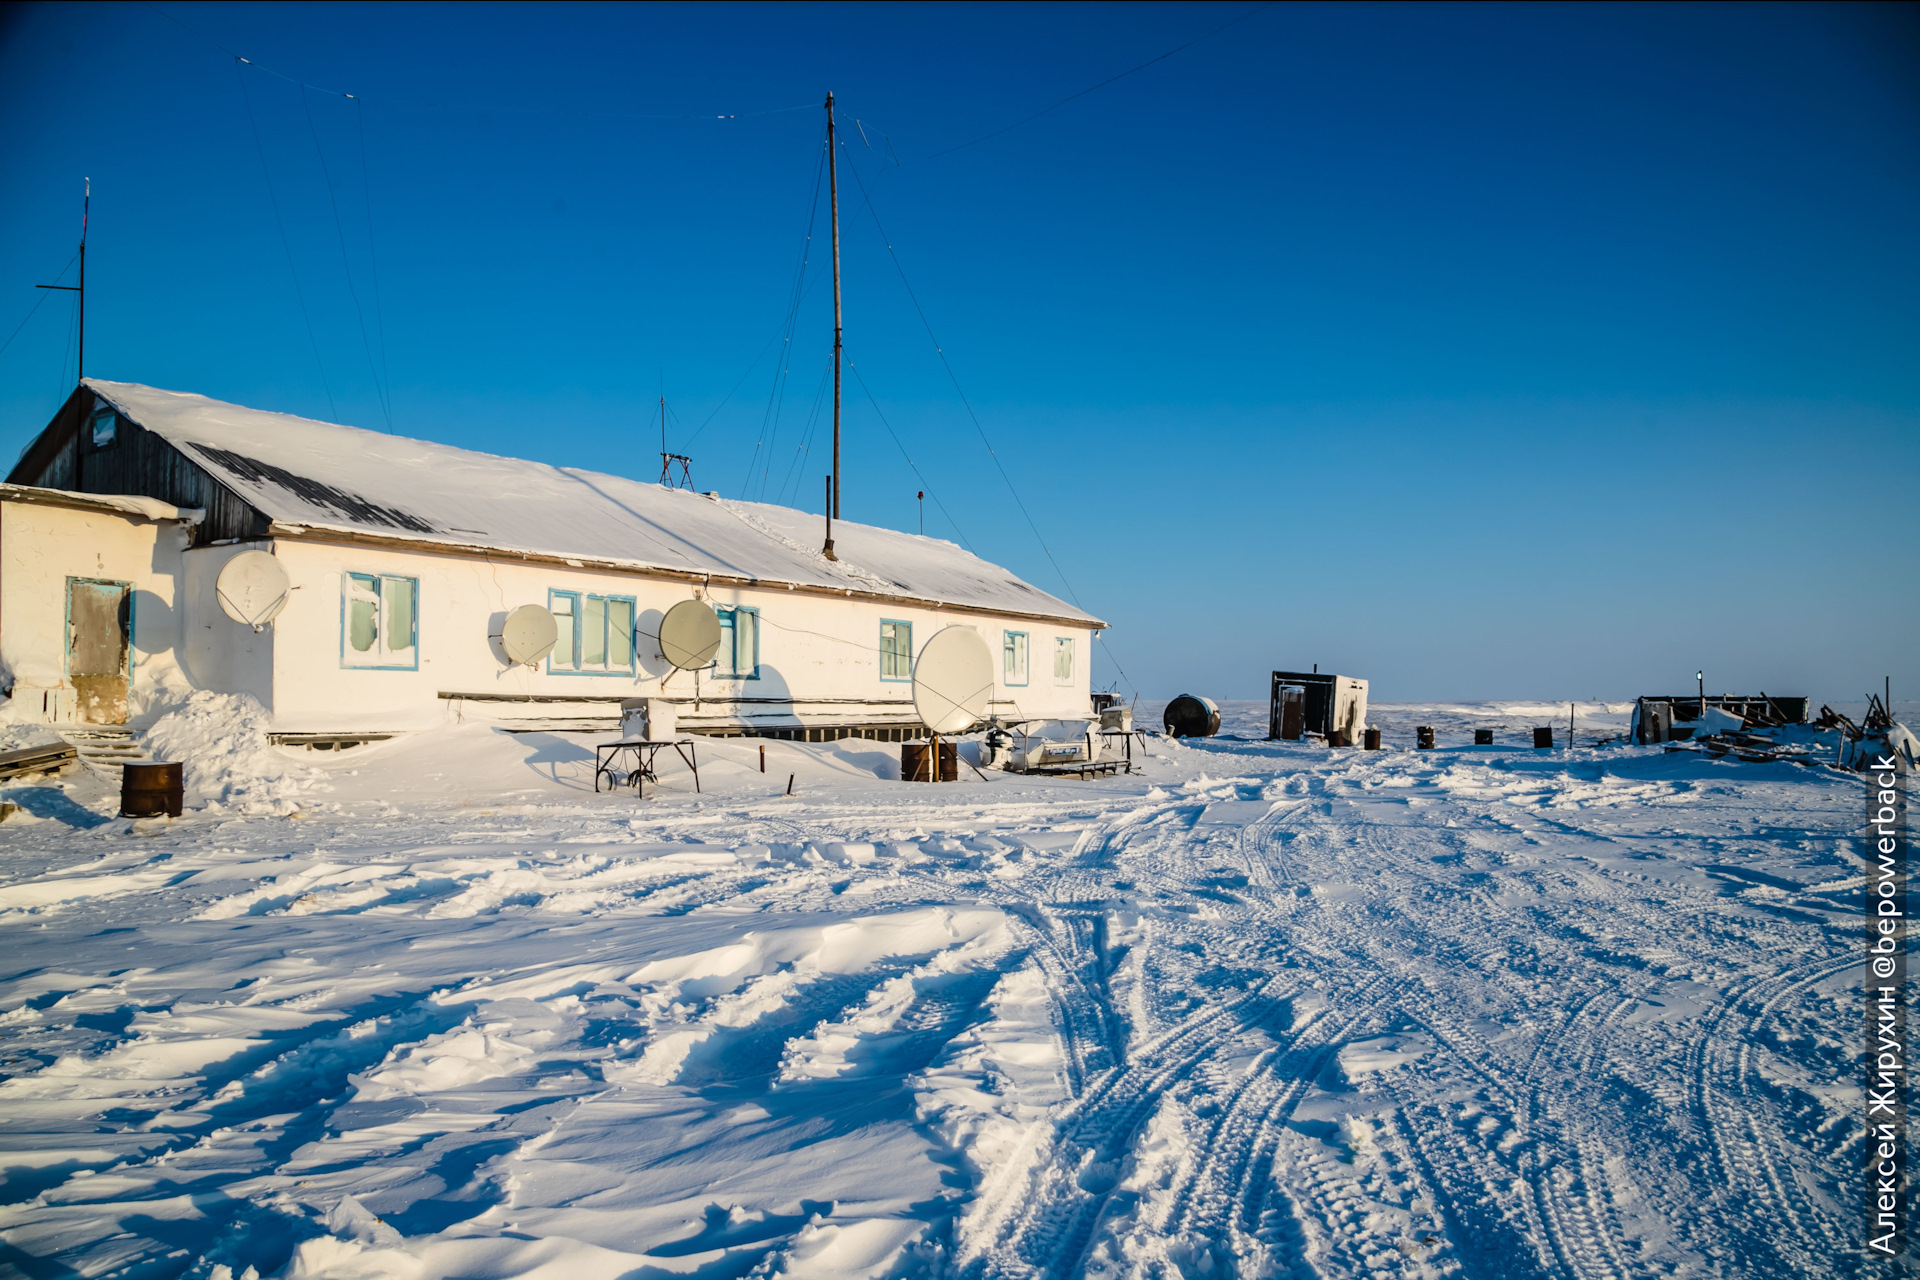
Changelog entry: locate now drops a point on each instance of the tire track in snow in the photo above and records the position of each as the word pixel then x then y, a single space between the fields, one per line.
pixel 1802 1237
pixel 1047 1229
pixel 1225 1189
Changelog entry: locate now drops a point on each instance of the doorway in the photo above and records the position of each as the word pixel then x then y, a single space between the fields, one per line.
pixel 99 642
pixel 1289 713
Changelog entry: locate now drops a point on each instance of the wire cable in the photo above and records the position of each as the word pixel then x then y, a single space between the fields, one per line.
pixel 61 392
pixel 804 449
pixel 961 391
pixel 493 105
pixel 346 264
pixel 986 137
pixel 776 394
pixel 285 244
pixel 373 257
pixel 924 484
pixel 35 307
pixel 968 404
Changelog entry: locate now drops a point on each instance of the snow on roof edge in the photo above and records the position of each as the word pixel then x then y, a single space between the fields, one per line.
pixel 122 503
pixel 994 588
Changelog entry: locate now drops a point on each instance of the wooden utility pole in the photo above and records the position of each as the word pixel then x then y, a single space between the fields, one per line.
pixel 833 200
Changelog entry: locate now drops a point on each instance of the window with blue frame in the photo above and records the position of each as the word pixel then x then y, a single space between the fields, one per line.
pixel 379 622
pixel 1013 658
pixel 739 655
pixel 106 427
pixel 595 634
pixel 896 650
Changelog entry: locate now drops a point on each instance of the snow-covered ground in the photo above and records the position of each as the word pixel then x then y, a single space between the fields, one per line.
pixel 434 1008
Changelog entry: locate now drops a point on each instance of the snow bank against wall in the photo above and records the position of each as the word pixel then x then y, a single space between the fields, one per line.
pixel 221 738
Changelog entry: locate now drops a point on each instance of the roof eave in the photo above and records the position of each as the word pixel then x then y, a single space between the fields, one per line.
pixel 10 492
pixel 359 537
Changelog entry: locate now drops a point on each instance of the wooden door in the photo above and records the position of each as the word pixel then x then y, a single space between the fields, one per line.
pixel 1293 705
pixel 99 635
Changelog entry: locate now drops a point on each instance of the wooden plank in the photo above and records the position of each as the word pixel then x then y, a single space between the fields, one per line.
pixel 47 758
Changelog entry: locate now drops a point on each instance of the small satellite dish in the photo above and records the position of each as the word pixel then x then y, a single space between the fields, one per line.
pixel 252 588
pixel 953 680
pixel 689 635
pixel 528 635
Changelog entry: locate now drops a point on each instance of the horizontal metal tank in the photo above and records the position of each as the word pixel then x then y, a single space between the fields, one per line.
pixel 1191 716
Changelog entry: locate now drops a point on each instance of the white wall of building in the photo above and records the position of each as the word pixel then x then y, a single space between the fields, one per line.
pixel 42 546
pixel 217 652
pixel 819 656
pixel 822 652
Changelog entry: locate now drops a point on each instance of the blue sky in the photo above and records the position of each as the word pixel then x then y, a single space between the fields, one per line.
pixel 1498 351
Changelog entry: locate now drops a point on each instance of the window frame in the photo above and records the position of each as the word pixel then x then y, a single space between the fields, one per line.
pixel 730 642
pixel 1006 657
pixel 108 413
pixel 896 622
pixel 1064 644
pixel 381 647
pixel 578 599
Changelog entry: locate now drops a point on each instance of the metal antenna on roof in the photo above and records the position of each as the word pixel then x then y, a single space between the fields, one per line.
pixel 80 363
pixel 833 202
pixel 668 459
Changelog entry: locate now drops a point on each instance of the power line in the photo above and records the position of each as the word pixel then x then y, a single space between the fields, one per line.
pixel 974 417
pixel 985 137
pixel 851 368
pixel 286 244
pixel 60 392
pixel 491 105
pixel 34 308
pixel 776 394
pixel 805 448
pixel 380 324
pixel 346 265
pixel 961 391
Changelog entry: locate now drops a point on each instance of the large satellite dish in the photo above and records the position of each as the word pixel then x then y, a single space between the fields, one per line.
pixel 689 635
pixel 528 635
pixel 953 680
pixel 252 588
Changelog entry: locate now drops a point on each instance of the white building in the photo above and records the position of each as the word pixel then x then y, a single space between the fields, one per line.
pixel 405 557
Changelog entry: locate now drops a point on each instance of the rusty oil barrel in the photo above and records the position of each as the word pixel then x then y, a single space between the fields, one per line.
pixel 1423 737
pixel 150 789
pixel 1543 737
pixel 1483 737
pixel 1370 739
pixel 916 761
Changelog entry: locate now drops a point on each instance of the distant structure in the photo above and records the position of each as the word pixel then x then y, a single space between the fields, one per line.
pixel 399 563
pixel 1309 705
pixel 1678 718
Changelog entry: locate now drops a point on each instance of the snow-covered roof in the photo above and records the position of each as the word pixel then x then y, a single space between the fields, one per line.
pixel 121 503
pixel 324 476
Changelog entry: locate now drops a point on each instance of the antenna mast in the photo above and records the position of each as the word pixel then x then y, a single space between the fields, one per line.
pixel 80 364
pixel 80 360
pixel 668 459
pixel 833 200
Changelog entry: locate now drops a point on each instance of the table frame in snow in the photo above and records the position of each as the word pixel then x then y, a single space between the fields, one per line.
pixel 607 756
pixel 1127 736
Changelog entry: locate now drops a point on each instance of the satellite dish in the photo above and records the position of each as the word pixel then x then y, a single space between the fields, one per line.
pixel 528 635
pixel 953 680
pixel 252 588
pixel 689 635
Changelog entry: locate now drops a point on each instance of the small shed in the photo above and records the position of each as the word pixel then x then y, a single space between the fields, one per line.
pixel 1676 718
pixel 1308 704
